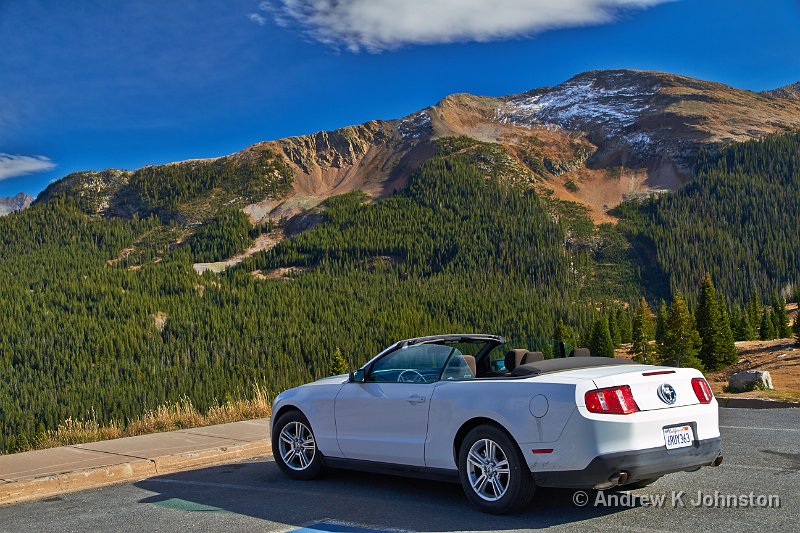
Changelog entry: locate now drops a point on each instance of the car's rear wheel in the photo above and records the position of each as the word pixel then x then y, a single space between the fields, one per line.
pixel 493 472
pixel 295 448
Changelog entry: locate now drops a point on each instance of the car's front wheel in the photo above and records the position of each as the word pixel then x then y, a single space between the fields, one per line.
pixel 494 475
pixel 295 448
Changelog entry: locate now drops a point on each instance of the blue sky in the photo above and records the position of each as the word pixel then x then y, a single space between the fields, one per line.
pixel 87 85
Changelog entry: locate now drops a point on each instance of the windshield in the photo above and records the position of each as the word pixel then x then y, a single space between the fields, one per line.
pixel 427 362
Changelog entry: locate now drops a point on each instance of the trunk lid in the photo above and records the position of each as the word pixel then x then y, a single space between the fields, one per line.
pixel 653 387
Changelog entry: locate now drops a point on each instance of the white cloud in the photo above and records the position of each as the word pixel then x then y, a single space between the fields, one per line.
pixel 377 25
pixel 257 18
pixel 12 166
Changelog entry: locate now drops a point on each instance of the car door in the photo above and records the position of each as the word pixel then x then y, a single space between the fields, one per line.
pixel 385 418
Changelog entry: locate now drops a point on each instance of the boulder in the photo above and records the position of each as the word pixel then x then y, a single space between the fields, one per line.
pixel 749 380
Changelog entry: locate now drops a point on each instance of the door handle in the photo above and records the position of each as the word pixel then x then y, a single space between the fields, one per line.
pixel 413 400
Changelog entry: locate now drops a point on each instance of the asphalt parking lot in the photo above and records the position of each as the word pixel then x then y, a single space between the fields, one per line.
pixel 762 457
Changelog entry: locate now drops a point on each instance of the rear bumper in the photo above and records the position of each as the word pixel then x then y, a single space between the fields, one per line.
pixel 638 464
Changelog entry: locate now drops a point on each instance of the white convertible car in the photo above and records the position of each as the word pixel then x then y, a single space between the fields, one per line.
pixel 501 422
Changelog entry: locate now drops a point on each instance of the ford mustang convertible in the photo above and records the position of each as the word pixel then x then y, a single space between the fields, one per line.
pixel 500 421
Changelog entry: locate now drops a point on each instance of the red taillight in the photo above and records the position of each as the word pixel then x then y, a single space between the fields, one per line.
pixel 612 401
pixel 658 373
pixel 702 390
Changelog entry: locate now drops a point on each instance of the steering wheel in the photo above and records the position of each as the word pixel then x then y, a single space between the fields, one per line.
pixel 414 377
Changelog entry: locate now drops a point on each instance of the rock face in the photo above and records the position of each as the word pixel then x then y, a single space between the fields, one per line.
pixel 790 91
pixel 93 191
pixel 15 204
pixel 749 380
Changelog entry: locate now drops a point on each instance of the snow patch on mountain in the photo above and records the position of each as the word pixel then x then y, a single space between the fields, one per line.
pixel 579 102
pixel 639 138
pixel 415 126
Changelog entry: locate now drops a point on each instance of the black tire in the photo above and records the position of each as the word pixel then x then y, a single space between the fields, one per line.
pixel 642 483
pixel 303 463
pixel 519 484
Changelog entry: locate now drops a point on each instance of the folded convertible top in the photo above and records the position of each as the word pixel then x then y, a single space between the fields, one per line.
pixel 566 363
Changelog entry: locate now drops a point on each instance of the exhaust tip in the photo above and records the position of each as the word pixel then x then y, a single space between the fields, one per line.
pixel 717 461
pixel 620 478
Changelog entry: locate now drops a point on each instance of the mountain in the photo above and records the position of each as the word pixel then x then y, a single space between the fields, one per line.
pixel 789 91
pixel 15 204
pixel 594 139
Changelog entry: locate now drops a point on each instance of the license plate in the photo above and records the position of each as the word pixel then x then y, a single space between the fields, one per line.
pixel 678 437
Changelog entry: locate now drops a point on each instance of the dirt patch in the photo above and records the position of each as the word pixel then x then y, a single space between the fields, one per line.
pixel 283 273
pixel 159 320
pixel 124 254
pixel 263 242
pixel 781 357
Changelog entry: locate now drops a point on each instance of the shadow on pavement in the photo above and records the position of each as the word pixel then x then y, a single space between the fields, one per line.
pixel 258 489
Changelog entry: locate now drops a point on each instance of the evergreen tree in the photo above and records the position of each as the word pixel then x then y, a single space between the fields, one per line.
pixel 339 364
pixel 613 328
pixel 713 325
pixel 643 332
pixel 776 324
pixel 796 328
pixel 767 329
pixel 782 328
pixel 735 319
pixel 727 348
pixel 566 334
pixel 601 344
pixel 625 326
pixel 680 342
pixel 754 313
pixel 661 320
pixel 746 331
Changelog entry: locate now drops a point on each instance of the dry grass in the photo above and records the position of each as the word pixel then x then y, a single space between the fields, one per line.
pixel 180 415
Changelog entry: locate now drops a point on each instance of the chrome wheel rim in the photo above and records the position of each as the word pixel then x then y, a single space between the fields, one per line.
pixel 297 446
pixel 488 470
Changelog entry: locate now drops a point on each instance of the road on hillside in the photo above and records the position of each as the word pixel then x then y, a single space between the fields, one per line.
pixel 762 456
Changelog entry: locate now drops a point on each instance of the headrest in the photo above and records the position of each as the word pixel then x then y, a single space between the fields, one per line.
pixel 470 360
pixel 581 352
pixel 514 358
pixel 532 357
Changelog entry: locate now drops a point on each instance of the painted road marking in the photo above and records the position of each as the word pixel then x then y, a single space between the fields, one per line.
pixel 760 429
pixel 336 526
pixel 191 507
pixel 233 486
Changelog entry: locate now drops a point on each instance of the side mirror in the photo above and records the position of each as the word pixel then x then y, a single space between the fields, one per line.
pixel 357 376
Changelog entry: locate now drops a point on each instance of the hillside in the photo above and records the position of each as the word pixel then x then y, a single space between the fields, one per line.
pixel 595 139
pixel 736 220
pixel 91 335
pixel 14 204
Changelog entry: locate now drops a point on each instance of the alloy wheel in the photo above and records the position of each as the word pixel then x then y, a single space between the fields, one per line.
pixel 297 446
pixel 488 470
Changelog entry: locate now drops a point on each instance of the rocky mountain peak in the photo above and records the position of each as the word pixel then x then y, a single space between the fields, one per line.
pixel 791 91
pixel 15 203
